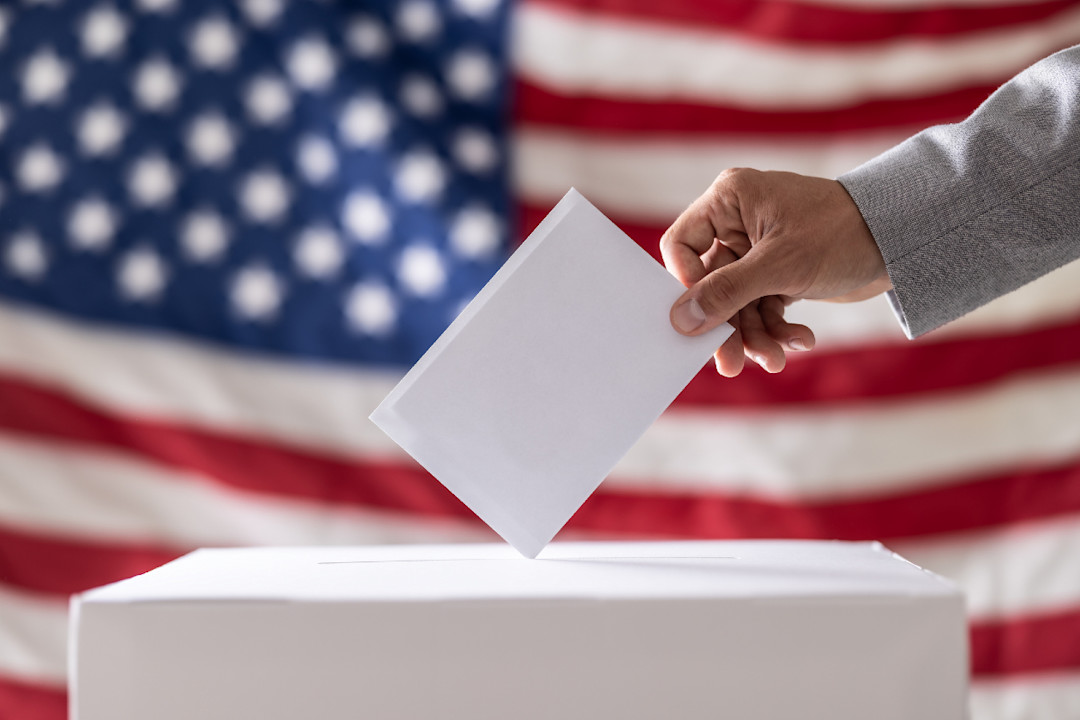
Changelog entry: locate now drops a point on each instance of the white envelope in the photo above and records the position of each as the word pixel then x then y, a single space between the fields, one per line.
pixel 548 377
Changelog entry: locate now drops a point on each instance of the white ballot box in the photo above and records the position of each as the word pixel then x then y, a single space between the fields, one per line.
pixel 749 630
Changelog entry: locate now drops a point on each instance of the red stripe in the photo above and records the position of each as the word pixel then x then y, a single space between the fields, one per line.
pixel 1037 643
pixel 924 367
pixel 32 561
pixel 963 504
pixel 786 21
pixel 537 106
pixel 62 566
pixel 979 503
pixel 21 700
pixel 240 462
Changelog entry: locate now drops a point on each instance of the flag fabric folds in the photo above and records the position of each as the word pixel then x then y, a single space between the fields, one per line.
pixel 226 228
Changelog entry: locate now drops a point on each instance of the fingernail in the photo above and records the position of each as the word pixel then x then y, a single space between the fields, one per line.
pixel 688 317
pixel 797 344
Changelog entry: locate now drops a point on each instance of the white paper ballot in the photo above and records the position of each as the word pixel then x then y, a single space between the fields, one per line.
pixel 548 376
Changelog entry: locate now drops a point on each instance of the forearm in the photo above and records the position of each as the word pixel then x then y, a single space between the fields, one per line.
pixel 965 213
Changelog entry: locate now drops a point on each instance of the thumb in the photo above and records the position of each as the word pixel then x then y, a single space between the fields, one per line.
pixel 719 295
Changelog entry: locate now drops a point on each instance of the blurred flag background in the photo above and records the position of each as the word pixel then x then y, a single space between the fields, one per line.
pixel 226 228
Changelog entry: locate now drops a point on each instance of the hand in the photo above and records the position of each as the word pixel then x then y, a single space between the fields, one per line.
pixel 754 243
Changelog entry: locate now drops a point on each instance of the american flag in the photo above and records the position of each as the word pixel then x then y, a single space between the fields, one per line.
pixel 226 228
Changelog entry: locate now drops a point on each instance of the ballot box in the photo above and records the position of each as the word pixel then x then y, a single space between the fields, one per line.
pixel 748 630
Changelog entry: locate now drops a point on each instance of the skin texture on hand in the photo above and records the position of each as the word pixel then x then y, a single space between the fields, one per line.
pixel 754 243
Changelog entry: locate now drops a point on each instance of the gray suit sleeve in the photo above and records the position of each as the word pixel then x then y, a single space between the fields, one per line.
pixel 967 212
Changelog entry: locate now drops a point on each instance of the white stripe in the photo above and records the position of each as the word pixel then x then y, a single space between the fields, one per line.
pixel 861 450
pixel 601 55
pixel 816 452
pixel 81 493
pixel 33 637
pixel 1028 568
pixel 655 180
pixel 155 376
pixel 1048 697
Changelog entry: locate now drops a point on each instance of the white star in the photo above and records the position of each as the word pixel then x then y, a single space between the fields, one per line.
pixel 420 177
pixel 92 224
pixel 256 293
pixel 365 121
pixel 156 85
pixel 267 99
pixel 264 196
pixel 476 8
pixel 45 77
pixel 101 129
pixel 418 21
pixel 366 217
pixel 142 275
pixel 475 233
pixel 40 169
pixel 318 252
pixel 367 38
pixel 152 181
pixel 104 31
pixel 316 158
pixel 210 139
pixel 475 150
pixel 421 270
pixel 311 63
pixel 204 235
pixel 5 118
pixel 471 75
pixel 421 96
pixel 156 6
pixel 262 13
pixel 371 309
pixel 214 43
pixel 25 256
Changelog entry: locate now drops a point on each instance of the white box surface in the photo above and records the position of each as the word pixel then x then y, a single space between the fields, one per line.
pixel 763 630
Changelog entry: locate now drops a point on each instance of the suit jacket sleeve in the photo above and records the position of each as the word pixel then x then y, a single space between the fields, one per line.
pixel 967 212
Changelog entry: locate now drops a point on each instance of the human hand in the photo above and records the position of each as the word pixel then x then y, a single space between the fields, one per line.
pixel 754 243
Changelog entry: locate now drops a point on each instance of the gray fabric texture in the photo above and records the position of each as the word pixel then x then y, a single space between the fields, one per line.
pixel 967 212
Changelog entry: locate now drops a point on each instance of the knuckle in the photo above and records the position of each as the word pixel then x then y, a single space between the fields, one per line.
pixel 719 295
pixel 667 242
pixel 735 177
pixel 731 185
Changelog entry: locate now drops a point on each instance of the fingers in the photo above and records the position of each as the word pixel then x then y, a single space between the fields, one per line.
pixel 712 221
pixel 729 358
pixel 719 295
pixel 685 243
pixel 762 334
pixel 790 336
pixel 758 344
